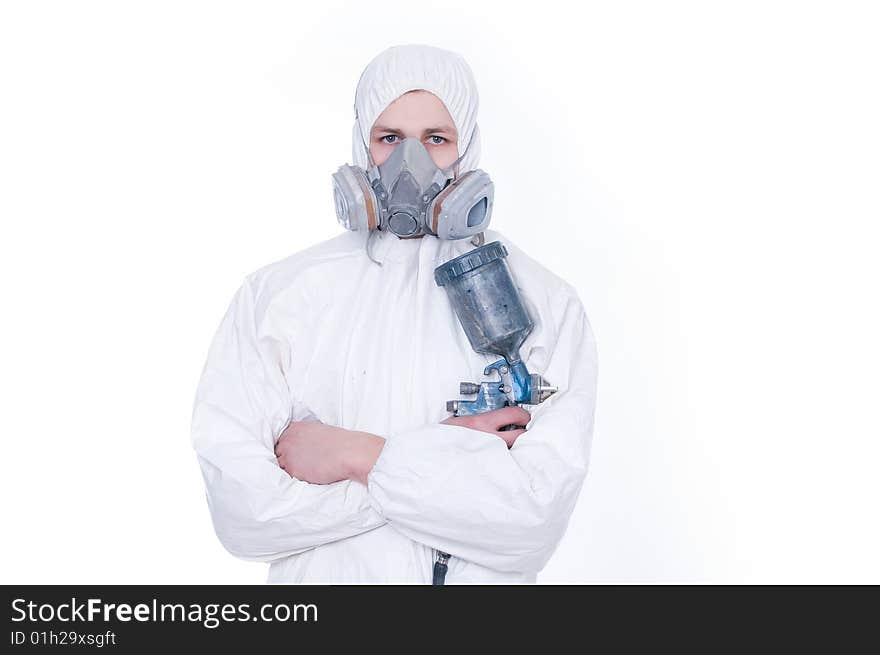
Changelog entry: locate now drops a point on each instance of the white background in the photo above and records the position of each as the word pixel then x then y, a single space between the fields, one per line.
pixel 705 174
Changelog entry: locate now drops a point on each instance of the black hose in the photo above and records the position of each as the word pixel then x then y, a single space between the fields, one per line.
pixel 440 568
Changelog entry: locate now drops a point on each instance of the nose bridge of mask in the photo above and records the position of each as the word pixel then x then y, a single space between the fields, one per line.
pixel 410 172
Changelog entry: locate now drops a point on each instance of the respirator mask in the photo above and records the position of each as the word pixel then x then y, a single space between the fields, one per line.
pixel 408 195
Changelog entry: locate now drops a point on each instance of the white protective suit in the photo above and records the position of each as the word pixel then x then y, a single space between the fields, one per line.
pixel 330 334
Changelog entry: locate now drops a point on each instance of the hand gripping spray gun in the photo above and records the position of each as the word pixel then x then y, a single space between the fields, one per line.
pixel 490 309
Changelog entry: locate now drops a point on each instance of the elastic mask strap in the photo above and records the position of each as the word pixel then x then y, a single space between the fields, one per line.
pixel 357 118
pixel 452 166
pixel 369 246
pixel 372 164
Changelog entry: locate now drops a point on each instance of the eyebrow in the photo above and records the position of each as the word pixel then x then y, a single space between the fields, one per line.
pixel 431 130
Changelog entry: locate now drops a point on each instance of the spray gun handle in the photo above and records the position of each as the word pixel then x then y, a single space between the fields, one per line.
pixel 507 387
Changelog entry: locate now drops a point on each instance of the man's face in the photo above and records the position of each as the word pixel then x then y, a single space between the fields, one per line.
pixel 418 114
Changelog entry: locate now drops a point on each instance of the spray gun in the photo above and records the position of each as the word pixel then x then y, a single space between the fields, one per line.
pixel 491 311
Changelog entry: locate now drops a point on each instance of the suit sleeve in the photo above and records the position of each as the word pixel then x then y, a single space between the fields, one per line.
pixel 464 492
pixel 242 405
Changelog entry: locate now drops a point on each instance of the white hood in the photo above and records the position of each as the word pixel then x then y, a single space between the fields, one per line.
pixel 404 68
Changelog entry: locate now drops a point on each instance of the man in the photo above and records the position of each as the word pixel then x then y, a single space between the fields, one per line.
pixel 320 420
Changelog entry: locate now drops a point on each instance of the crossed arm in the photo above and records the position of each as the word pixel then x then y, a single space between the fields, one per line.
pixel 322 454
pixel 501 501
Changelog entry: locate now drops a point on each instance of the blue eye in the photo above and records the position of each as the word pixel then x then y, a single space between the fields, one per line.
pixel 439 141
pixel 388 136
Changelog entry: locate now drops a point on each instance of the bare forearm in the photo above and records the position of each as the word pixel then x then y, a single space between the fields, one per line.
pixel 361 454
pixel 315 452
